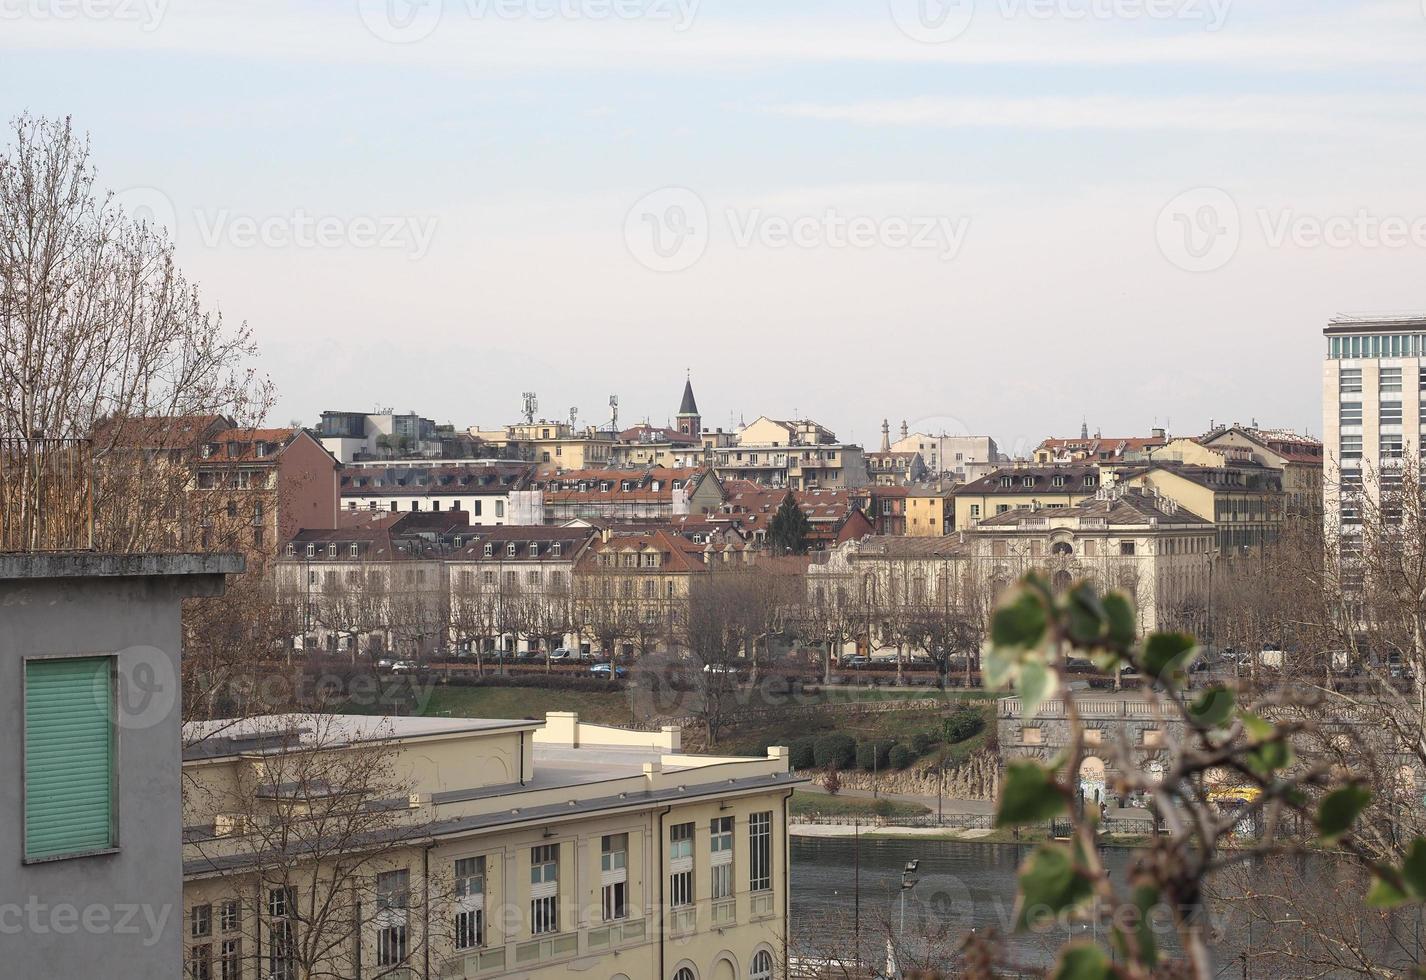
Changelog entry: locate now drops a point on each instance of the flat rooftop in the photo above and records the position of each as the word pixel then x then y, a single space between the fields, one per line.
pixel 93 564
pixel 1365 322
pixel 269 733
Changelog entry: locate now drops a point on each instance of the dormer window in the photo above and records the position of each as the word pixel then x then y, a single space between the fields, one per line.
pixel 1091 480
pixel 510 550
pixel 291 551
pixel 625 486
pixel 311 551
pixel 556 549
pixel 1058 480
pixel 1006 481
pixel 1027 481
pixel 209 448
pixel 331 551
pixel 260 449
pixel 534 549
pixel 355 549
pixel 489 550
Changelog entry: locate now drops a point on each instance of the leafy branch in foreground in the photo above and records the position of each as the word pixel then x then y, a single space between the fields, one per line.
pixel 1249 747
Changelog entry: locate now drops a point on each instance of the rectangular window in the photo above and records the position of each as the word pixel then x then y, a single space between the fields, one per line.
pixel 229 917
pixel 200 962
pixel 1350 413
pixel 391 945
pixel 231 963
pixel 1349 382
pixel 200 921
pixel 1391 413
pixel 1391 446
pixel 1389 380
pixel 69 757
pixel 760 851
pixel 720 847
pixel 544 888
pixel 614 875
pixel 680 863
pixel 1351 447
pixel 281 964
pixel 470 902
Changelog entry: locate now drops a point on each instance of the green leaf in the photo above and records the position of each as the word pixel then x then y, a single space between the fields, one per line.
pixel 1087 622
pixel 1049 884
pixel 1020 623
pixel 1037 684
pixel 1001 667
pixel 1413 870
pixel 1213 707
pixel 1269 757
pixel 1168 653
pixel 1340 809
pixel 1030 795
pixel 1119 611
pixel 1384 895
pixel 1083 961
pixel 1258 727
pixel 1145 898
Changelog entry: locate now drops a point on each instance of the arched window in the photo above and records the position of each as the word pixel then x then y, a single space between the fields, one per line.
pixel 1062 548
pixel 762 966
pixel 684 973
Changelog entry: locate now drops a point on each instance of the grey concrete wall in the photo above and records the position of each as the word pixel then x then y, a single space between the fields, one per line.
pixel 118 914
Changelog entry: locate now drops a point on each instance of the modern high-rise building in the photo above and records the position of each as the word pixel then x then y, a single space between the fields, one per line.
pixel 1373 380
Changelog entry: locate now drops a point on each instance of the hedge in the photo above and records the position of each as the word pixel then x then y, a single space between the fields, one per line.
pixel 962 724
pixel 873 754
pixel 837 749
pixel 900 757
pixel 802 753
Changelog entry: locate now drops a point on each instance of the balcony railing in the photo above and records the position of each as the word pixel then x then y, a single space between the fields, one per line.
pixel 46 494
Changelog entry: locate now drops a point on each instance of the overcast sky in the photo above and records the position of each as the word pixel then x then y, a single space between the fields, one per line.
pixel 998 216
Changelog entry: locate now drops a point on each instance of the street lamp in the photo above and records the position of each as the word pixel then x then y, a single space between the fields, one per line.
pixel 908 882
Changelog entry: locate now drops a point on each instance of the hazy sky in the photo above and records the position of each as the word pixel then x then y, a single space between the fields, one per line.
pixel 998 216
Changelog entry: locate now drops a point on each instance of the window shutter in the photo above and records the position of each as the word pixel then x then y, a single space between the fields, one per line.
pixel 69 756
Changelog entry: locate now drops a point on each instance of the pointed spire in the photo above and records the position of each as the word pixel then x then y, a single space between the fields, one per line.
pixel 885 436
pixel 688 406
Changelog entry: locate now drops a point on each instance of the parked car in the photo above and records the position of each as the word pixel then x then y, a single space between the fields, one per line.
pixel 602 670
pixel 407 667
pixel 563 655
pixel 385 663
pixel 856 661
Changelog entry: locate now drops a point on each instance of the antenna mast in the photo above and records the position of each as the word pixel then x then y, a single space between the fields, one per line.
pixel 532 405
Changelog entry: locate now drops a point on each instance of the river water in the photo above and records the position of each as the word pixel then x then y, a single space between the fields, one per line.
pixel 964 886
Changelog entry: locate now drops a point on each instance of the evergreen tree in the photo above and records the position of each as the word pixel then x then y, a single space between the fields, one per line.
pixel 789 528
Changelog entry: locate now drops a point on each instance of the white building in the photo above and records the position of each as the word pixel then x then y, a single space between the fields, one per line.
pixel 963 457
pixel 491 492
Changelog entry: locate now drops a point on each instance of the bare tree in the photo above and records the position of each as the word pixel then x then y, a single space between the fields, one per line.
pixel 98 325
pixel 315 842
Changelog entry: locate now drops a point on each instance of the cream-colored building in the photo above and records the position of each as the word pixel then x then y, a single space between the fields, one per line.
pixel 524 849
pixel 1009 488
pixel 930 513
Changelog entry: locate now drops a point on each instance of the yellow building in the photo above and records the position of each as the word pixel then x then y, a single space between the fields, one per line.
pixel 930 513
pixel 523 848
pixel 1244 502
pixel 1033 487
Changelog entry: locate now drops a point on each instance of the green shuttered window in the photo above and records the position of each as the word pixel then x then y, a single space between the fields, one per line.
pixel 69 756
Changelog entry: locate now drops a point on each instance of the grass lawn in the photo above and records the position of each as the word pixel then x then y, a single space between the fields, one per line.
pixel 851 806
pixel 598 707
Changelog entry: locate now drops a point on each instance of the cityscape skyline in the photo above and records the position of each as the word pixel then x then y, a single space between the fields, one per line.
pixel 1096 186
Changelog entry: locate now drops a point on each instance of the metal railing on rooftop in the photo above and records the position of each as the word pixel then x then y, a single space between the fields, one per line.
pixel 46 494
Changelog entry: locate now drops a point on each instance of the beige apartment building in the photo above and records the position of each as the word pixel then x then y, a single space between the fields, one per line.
pixel 1032 487
pixel 1373 380
pixel 515 848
